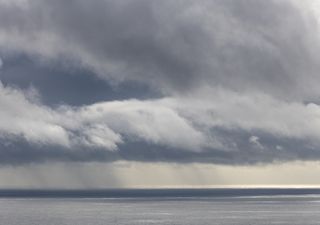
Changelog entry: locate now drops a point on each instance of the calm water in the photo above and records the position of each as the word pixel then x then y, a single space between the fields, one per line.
pixel 300 210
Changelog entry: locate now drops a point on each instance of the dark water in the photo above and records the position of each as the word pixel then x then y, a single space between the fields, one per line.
pixel 188 207
pixel 144 193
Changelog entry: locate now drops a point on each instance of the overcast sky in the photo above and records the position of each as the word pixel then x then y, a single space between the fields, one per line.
pixel 193 83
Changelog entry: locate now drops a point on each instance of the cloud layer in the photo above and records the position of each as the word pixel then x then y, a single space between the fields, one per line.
pixel 237 84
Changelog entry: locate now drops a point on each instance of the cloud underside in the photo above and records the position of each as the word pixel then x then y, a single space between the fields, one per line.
pixel 238 84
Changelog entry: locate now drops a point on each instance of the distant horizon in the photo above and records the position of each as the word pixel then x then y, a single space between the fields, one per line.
pixel 172 187
pixel 160 193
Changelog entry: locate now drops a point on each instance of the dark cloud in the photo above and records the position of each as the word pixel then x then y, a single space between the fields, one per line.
pixel 175 46
pixel 75 87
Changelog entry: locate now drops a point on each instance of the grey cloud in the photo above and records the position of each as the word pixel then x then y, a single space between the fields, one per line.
pixel 234 77
pixel 175 46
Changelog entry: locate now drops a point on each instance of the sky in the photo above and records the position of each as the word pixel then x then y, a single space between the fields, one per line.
pixel 108 93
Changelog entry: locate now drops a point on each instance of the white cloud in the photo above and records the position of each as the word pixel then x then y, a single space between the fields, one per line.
pixel 151 121
pixel 100 125
pixel 185 124
pixel 254 140
pixel 232 110
pixel 35 123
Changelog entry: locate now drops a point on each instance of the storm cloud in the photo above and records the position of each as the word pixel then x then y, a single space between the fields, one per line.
pixel 231 82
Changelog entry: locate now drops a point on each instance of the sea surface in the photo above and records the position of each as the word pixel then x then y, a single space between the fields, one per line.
pixel 165 207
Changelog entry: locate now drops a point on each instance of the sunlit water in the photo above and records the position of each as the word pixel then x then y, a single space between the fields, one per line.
pixel 299 210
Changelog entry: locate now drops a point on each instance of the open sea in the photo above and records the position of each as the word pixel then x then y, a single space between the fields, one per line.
pixel 161 206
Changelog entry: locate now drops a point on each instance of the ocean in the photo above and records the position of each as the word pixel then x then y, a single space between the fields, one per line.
pixel 161 206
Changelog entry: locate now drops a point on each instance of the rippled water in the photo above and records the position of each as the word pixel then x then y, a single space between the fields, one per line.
pixel 300 210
